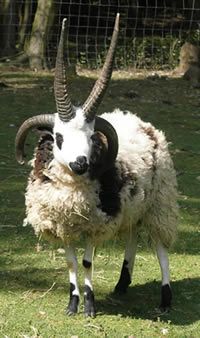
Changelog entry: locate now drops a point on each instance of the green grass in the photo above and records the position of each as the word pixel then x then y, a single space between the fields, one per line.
pixel 34 283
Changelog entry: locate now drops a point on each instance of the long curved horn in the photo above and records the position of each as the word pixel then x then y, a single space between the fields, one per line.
pixel 91 104
pixel 63 103
pixel 107 129
pixel 42 121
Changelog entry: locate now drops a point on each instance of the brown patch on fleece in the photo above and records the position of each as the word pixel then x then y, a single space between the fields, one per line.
pixel 43 156
pixel 150 132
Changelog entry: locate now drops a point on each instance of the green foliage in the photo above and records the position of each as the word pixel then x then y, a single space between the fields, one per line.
pixel 34 279
pixel 192 36
pixel 152 52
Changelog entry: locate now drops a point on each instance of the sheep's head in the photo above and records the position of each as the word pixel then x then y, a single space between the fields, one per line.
pixel 78 133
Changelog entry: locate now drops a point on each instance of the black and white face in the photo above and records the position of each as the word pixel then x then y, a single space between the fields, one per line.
pixel 72 142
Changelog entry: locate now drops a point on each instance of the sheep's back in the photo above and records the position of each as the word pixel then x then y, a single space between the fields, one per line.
pixel 145 151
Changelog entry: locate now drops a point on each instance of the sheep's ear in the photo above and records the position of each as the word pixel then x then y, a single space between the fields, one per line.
pixel 99 154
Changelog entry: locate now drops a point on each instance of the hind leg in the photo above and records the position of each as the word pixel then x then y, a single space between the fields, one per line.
pixel 166 294
pixel 128 263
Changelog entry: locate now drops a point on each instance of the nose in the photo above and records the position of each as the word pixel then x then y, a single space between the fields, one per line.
pixel 79 166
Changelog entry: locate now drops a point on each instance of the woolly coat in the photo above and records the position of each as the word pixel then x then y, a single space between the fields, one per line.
pixel 139 190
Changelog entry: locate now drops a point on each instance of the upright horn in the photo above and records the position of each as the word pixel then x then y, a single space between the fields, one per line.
pixel 64 106
pixel 91 104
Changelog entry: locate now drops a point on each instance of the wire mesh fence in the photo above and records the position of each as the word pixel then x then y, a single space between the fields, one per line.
pixel 151 31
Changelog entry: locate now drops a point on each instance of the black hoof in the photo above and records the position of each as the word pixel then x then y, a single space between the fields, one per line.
pixel 72 307
pixel 89 303
pixel 90 312
pixel 124 280
pixel 166 298
pixel 120 289
pixel 70 313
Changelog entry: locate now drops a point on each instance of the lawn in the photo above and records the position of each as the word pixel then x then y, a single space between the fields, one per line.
pixel 33 275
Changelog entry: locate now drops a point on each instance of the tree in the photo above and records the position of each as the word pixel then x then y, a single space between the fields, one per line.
pixel 8 8
pixel 36 49
pixel 24 19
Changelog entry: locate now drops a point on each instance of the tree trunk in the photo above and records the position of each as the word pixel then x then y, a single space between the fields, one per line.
pixel 24 20
pixel 8 27
pixel 36 50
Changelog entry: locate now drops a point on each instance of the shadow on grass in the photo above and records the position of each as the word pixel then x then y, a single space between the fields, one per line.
pixel 141 300
pixel 33 279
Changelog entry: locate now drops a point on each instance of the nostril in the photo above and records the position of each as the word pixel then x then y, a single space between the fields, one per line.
pixel 81 160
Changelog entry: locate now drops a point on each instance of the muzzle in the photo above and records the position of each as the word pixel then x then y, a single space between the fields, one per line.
pixel 80 166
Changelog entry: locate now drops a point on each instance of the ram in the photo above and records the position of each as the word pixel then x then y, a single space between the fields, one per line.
pixel 96 178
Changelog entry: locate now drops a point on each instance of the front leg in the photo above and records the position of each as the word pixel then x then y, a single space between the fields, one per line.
pixel 166 294
pixel 128 264
pixel 74 294
pixel 89 302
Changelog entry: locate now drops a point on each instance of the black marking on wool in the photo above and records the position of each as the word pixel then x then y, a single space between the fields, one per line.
pixel 87 264
pixel 89 302
pixel 59 140
pixel 98 158
pixel 166 297
pixel 72 307
pixel 111 184
pixel 124 280
pixel 43 156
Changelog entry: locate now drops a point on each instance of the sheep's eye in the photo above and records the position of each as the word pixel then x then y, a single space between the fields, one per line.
pixel 59 140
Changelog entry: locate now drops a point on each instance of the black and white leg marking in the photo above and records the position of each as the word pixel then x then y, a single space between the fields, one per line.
pixel 74 295
pixel 166 294
pixel 89 302
pixel 127 267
